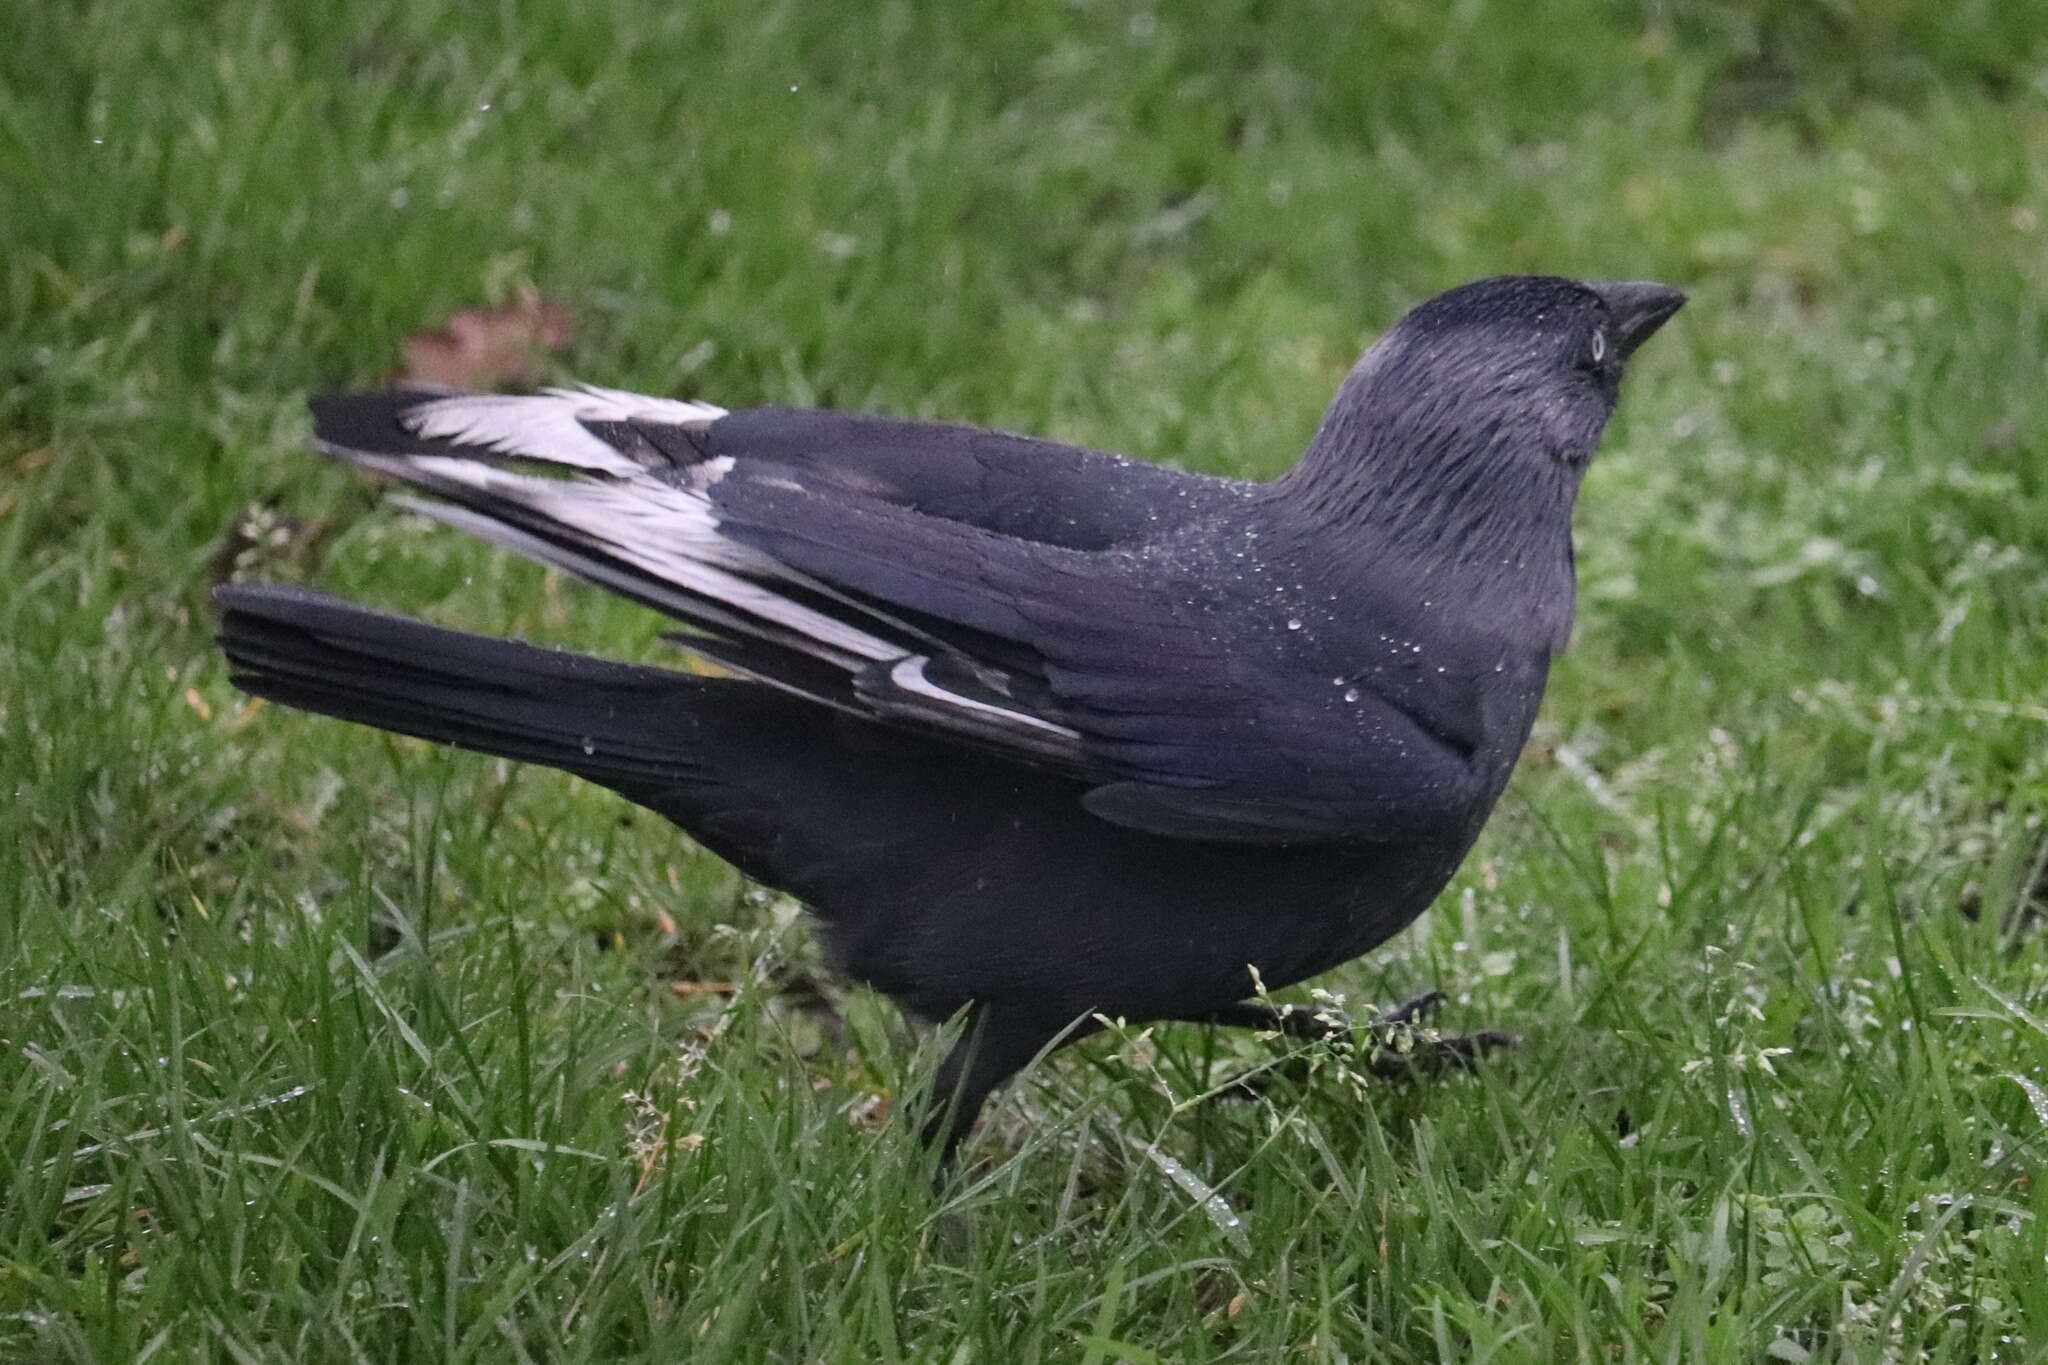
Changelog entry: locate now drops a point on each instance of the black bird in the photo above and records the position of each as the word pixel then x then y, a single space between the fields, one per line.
pixel 1038 733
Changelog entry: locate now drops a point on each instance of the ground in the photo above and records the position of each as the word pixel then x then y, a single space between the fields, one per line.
pixel 318 1045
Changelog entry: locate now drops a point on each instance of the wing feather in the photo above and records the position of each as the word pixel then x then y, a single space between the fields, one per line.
pixel 887 592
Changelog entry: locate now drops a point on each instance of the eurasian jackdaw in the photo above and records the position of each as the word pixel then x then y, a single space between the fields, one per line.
pixel 1037 733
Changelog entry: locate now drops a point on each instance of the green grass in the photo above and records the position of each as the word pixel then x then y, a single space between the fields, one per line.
pixel 1763 899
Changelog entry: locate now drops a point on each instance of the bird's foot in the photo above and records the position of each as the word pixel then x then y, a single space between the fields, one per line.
pixel 1398 1044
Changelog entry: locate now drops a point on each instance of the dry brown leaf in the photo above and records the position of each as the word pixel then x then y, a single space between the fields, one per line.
pixel 488 348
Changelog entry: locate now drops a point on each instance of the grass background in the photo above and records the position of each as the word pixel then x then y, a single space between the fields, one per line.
pixel 317 1045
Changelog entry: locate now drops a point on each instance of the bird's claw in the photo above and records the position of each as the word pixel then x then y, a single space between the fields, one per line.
pixel 1410 1011
pixel 1396 1044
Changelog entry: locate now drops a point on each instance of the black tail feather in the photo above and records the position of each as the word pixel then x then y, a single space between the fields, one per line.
pixel 619 724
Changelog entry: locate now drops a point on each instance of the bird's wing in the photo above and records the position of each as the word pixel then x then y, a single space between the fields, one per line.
pixel 1020 486
pixel 612 487
pixel 1190 723
pixel 1067 659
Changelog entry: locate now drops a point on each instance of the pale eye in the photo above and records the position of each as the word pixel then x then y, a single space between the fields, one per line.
pixel 1599 347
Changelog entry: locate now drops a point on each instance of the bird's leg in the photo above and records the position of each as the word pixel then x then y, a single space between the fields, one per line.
pixel 1393 1045
pixel 992 1047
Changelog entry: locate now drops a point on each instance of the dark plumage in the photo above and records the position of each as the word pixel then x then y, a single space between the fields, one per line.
pixel 1035 730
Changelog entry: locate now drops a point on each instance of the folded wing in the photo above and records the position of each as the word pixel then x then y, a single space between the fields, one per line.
pixel 920 590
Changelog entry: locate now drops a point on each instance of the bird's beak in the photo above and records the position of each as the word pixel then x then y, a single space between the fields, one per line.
pixel 1639 308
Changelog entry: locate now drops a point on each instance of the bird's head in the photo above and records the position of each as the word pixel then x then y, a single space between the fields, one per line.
pixel 1491 388
pixel 1460 437
pixel 1529 366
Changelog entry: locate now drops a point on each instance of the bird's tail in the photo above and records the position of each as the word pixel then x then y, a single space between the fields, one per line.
pixel 627 727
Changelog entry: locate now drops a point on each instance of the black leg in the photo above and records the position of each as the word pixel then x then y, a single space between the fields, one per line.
pixel 992 1048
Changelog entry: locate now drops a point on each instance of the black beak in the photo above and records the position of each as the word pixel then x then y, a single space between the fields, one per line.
pixel 1639 309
